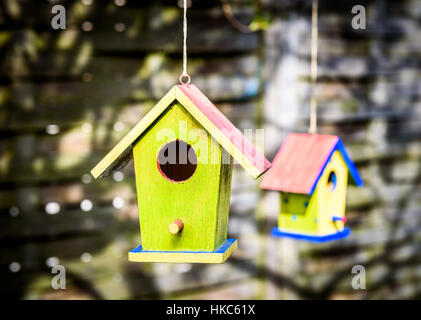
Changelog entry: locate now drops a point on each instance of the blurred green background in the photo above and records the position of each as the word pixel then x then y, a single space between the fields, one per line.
pixel 67 96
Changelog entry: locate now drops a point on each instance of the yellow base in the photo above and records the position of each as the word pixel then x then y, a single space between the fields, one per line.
pixel 217 256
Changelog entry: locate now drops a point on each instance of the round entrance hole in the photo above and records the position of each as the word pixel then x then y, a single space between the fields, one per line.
pixel 177 161
pixel 331 181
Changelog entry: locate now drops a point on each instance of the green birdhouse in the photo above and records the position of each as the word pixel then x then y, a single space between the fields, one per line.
pixel 183 152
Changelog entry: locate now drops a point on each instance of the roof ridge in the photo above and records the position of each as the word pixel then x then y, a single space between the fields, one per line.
pixel 207 114
pixel 301 160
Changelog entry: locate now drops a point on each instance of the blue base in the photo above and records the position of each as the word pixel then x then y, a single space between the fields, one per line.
pixel 224 247
pixel 218 256
pixel 276 232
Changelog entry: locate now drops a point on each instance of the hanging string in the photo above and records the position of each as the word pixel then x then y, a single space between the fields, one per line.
pixel 313 72
pixel 184 77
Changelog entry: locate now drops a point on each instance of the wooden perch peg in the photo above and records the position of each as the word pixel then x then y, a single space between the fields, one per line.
pixel 176 226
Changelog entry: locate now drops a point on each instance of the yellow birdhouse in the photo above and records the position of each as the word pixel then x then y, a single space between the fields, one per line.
pixel 311 172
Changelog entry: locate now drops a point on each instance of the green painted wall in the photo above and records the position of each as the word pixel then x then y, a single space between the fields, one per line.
pixel 223 199
pixel 196 201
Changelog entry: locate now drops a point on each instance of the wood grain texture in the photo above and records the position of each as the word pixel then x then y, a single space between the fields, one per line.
pixel 219 256
pixel 149 35
pixel 176 226
pixel 194 201
pixel 224 192
pixel 210 118
pixel 224 131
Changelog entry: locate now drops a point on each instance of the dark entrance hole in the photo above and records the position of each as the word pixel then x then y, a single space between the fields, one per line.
pixel 177 161
pixel 331 181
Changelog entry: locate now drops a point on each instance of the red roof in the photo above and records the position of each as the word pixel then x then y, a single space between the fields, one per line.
pixel 203 110
pixel 301 160
pixel 226 127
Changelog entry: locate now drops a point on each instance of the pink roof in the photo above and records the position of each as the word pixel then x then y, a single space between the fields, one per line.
pixel 301 160
pixel 226 127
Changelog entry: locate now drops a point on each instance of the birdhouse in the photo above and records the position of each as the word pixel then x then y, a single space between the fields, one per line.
pixel 183 152
pixel 311 172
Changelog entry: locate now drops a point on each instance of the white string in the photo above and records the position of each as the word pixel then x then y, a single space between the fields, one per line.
pixel 184 76
pixel 313 72
pixel 185 38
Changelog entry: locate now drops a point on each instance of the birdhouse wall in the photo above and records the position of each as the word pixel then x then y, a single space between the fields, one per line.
pixel 312 214
pixel 298 213
pixel 200 202
pixel 224 193
pixel 331 195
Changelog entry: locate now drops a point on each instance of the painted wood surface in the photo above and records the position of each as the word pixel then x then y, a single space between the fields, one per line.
pixel 276 232
pixel 122 152
pixel 301 160
pixel 237 145
pixel 221 254
pixel 176 226
pixel 196 201
pixel 298 213
pixel 205 112
pixel 312 215
pixel 224 193
pixel 332 199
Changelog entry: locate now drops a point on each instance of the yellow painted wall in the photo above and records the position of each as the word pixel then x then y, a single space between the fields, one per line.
pixel 312 215
pixel 332 202
pixel 298 214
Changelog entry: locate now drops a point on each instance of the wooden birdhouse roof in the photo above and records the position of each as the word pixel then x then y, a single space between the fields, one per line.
pixel 205 112
pixel 301 161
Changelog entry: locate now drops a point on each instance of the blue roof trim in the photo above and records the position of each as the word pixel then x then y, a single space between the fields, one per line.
pixel 351 166
pixel 339 146
pixel 276 232
pixel 322 169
